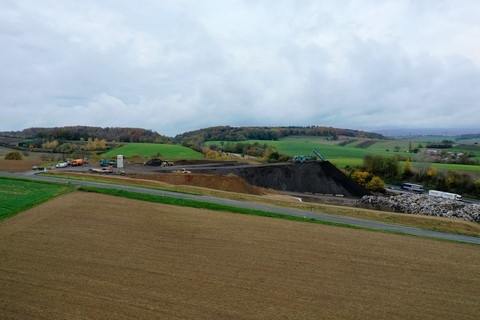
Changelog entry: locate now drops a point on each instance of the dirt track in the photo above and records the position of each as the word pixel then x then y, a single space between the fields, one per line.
pixel 87 256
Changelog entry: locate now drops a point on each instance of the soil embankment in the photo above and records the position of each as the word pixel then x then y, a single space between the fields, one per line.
pixel 230 183
pixel 312 177
pixel 319 178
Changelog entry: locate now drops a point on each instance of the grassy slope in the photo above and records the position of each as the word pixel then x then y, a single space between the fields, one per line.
pixel 351 154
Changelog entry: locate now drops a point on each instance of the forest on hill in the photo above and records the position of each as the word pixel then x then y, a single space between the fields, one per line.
pixel 74 139
pixel 192 138
pixel 196 138
pixel 78 133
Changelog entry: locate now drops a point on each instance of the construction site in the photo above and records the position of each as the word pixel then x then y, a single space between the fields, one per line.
pixel 310 179
pixel 309 176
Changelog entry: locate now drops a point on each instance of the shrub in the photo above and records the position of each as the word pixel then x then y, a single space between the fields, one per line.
pixel 376 185
pixel 14 155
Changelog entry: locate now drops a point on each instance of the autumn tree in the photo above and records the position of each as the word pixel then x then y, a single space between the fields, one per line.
pixel 361 177
pixel 376 184
pixel 14 155
pixel 381 165
pixel 96 144
pixel 368 181
pixel 67 148
pixel 407 169
pixel 50 145
pixel 432 173
pixel 477 185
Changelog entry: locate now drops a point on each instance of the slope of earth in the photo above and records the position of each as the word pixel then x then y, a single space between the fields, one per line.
pixel 89 256
pixel 313 177
pixel 229 182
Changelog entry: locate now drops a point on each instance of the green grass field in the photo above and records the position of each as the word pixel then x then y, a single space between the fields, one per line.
pixel 351 153
pixel 17 195
pixel 448 167
pixel 340 155
pixel 148 150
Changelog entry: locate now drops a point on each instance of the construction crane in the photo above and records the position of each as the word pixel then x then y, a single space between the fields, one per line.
pixel 319 155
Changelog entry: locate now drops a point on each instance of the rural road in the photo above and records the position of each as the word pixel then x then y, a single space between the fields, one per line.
pixel 255 206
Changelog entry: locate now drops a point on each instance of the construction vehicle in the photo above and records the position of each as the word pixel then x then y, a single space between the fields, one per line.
pixel 302 159
pixel 106 170
pixel 108 163
pixel 61 165
pixel 76 162
pixel 319 155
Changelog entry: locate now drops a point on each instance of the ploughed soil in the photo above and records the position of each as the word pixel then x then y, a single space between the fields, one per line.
pixel 18 165
pixel 91 256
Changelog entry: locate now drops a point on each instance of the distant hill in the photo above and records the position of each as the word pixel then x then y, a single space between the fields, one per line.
pixel 227 133
pixel 192 138
pixel 77 133
pixel 409 132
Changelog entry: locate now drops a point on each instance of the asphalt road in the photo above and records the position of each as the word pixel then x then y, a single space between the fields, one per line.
pixel 248 205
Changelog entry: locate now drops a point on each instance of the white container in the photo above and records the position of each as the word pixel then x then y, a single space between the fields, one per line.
pixel 120 161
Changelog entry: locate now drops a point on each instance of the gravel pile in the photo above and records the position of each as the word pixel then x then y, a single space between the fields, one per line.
pixel 423 205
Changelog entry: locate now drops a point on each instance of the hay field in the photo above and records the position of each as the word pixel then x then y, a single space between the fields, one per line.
pixel 90 256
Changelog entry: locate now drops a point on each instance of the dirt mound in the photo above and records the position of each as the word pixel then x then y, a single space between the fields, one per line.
pixel 230 182
pixel 318 178
pixel 312 177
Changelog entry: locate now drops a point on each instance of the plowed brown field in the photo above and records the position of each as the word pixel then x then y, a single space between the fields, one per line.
pixel 89 256
pixel 18 165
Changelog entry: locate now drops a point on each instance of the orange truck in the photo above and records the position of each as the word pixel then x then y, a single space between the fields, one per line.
pixel 76 162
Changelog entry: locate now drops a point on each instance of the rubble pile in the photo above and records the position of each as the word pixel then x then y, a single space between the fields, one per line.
pixel 423 205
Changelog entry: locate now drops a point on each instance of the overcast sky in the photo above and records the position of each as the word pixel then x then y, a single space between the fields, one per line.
pixel 179 65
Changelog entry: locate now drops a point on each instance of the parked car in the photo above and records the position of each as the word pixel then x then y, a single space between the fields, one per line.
pixel 61 165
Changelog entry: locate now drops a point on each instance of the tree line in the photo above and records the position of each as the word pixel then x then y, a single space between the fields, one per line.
pixel 83 133
pixel 377 169
pixel 195 139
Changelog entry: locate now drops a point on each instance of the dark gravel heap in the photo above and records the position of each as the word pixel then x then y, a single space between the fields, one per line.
pixel 312 177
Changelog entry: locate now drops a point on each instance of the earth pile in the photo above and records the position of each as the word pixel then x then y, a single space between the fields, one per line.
pixel 311 177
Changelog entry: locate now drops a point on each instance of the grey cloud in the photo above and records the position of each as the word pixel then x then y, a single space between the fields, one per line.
pixel 173 66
